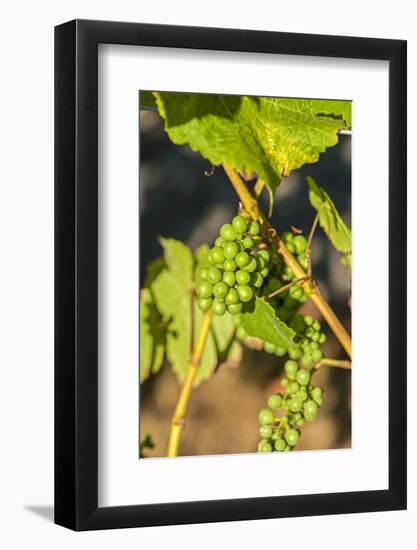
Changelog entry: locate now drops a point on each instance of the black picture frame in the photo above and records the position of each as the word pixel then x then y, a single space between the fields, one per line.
pixel 76 272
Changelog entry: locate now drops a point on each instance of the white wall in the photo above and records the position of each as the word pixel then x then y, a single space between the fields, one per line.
pixel 26 291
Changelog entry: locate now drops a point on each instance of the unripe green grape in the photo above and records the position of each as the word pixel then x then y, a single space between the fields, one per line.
pixel 245 293
pixel 310 410
pixel 219 308
pixel 280 351
pixel 204 303
pixel 242 259
pixel 276 434
pixel 300 244
pixel 242 277
pixel 227 232
pixel 260 260
pixel 239 224
pixel 232 297
pixel 257 280
pixel 291 368
pixel 220 290
pixel 274 284
pixel 288 273
pixel 284 382
pixel 295 404
pixel 294 352
pixel 287 236
pixel 308 320
pixel 307 360
pixel 241 333
pixel 214 275
pixel 322 338
pixel 317 393
pixel 302 394
pixel 291 248
pixel 309 332
pixel 251 266
pixel 319 401
pixel 229 265
pixel 247 243
pixel 204 274
pixel 268 347
pixel 264 272
pixel 305 344
pixel 254 228
pixel 296 292
pixel 264 446
pixel 303 377
pixel 300 422
pixel 275 401
pixel 265 255
pixel 292 436
pixel 229 278
pixel 234 308
pixel 230 250
pixel 280 444
pixel 313 346
pixel 302 260
pixel 316 325
pixel 204 289
pixel 316 355
pixel 219 242
pixel 217 255
pixel 292 388
pixel 265 432
pixel 265 417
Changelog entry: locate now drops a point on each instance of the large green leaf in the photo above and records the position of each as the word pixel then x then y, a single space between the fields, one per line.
pixel 264 324
pixel 171 288
pixel 147 101
pixel 267 136
pixel 330 220
pixel 152 336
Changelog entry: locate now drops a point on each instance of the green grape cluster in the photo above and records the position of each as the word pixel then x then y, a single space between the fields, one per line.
pixel 287 412
pixel 307 341
pixel 238 267
pixel 297 245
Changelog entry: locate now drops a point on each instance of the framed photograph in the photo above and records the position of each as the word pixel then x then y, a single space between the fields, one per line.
pixel 230 252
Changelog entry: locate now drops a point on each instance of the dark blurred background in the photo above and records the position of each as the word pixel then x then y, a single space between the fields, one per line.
pixel 178 200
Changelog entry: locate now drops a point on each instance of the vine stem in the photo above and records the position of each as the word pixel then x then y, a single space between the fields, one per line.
pixel 178 418
pixel 252 208
pixel 341 364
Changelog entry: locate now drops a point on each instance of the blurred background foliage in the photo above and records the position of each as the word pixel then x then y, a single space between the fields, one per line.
pixel 182 197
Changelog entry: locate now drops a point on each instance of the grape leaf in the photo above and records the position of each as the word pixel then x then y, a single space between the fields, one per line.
pixel 264 324
pixel 171 289
pixel 152 336
pixel 147 101
pixel 267 136
pixel 153 269
pixel 329 219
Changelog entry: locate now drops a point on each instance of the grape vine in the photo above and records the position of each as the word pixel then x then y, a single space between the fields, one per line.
pixel 252 284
